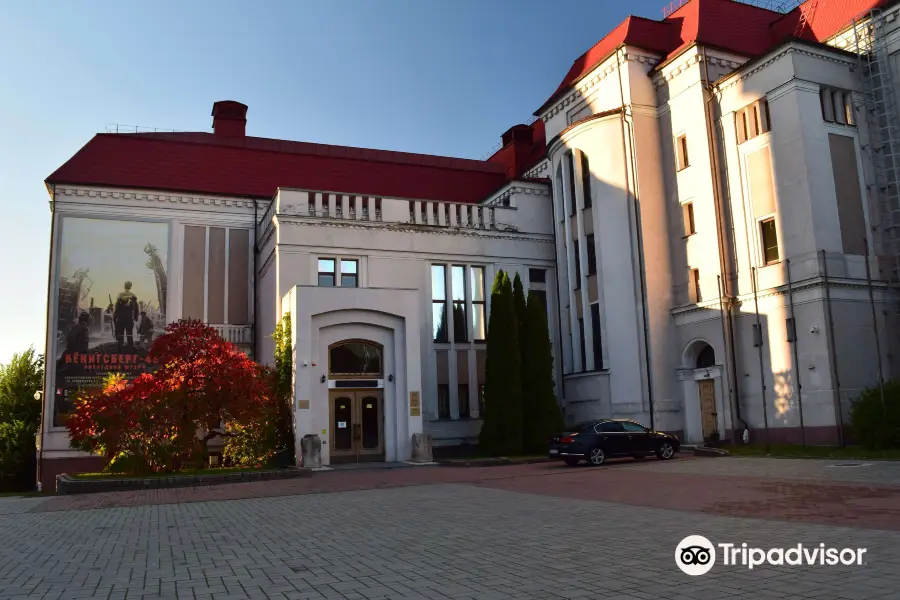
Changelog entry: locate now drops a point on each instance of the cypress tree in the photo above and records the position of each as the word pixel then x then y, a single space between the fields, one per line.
pixel 501 430
pixel 521 308
pixel 541 415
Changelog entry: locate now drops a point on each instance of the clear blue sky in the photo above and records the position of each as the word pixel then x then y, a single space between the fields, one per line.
pixel 421 76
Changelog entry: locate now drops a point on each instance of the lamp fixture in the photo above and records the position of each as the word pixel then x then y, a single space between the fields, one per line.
pixel 323 379
pixel 391 377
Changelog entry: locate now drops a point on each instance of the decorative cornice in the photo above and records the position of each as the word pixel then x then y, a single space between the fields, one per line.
pixel 501 232
pixel 789 86
pixel 670 72
pixel 152 197
pixel 786 50
pixel 539 168
pixel 502 197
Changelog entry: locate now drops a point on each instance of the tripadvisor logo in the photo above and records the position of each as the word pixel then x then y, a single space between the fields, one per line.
pixel 696 555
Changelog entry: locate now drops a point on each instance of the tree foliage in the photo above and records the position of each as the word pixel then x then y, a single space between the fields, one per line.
pixel 876 423
pixel 269 439
pixel 501 431
pixel 162 421
pixel 20 418
pixel 541 417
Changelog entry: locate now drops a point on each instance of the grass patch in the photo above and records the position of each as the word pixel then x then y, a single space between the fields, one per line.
pixel 28 494
pixel 798 451
pixel 210 471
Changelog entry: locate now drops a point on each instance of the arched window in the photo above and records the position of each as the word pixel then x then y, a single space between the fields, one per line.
pixel 706 357
pixel 586 181
pixel 354 358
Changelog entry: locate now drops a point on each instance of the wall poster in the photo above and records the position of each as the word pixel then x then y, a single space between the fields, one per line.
pixel 111 302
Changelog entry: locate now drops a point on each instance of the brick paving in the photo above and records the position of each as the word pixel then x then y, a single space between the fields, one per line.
pixel 519 533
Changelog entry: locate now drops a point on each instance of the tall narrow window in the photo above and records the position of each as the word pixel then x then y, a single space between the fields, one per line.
pixel 570 163
pixel 595 330
pixel 442 362
pixel 769 238
pixel 687 213
pixel 439 302
pixel 480 364
pixel 462 397
pixel 583 353
pixel 479 326
pixel 458 289
pixel 326 272
pixel 586 180
pixel 577 266
pixel 349 273
pixel 591 255
pixel 537 275
pixel 443 401
pixel 696 296
pixel 681 152
pixel 752 120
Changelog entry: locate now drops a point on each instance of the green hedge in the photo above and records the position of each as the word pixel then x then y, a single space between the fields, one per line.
pixel 876 423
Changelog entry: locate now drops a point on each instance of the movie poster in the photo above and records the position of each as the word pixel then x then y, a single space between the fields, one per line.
pixel 111 303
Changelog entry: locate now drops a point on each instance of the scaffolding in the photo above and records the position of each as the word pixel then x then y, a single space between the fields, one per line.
pixel 869 42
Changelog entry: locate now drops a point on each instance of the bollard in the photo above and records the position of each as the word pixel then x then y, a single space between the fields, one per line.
pixel 311 450
pixel 421 448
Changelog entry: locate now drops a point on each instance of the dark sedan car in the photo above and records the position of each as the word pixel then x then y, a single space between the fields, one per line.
pixel 595 441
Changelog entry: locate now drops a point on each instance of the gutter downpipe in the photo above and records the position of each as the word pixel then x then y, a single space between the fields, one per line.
pixel 255 282
pixel 832 353
pixel 47 345
pixel 559 319
pixel 795 343
pixel 759 347
pixel 633 180
pixel 730 361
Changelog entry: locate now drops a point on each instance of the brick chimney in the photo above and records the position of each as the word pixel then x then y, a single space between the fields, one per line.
pixel 229 118
pixel 518 149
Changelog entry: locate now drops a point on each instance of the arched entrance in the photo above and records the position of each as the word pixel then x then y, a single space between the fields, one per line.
pixel 356 401
pixel 702 391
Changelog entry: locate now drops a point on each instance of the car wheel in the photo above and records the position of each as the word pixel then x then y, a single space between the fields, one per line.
pixel 571 461
pixel 665 451
pixel 596 457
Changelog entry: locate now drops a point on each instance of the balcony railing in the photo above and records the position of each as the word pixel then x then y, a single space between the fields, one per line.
pixel 236 334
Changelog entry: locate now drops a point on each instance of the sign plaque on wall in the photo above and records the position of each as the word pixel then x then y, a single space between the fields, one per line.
pixel 415 405
pixel 303 404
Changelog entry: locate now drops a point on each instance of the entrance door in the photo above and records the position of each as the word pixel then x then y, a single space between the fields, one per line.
pixel 707 390
pixel 357 425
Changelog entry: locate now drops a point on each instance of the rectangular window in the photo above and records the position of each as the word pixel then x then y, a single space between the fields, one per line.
pixel 443 401
pixel 577 266
pixel 463 399
pixel 696 296
pixel 439 302
pixel 326 272
pixel 479 325
pixel 583 353
pixel 681 153
pixel 349 273
pixel 687 214
pixel 570 163
pixel 591 255
pixel 757 335
pixel 791 328
pixel 837 106
pixel 752 120
pixel 595 329
pixel 458 289
pixel 769 238
pixel 537 275
pixel 586 180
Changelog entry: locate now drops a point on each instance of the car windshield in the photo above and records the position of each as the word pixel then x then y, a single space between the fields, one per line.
pixel 587 426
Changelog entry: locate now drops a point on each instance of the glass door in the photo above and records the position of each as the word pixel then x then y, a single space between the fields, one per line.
pixel 357 425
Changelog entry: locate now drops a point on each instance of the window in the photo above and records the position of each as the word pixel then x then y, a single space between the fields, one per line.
pixel 439 302
pixel 591 255
pixel 479 326
pixel 695 286
pixel 769 239
pixel 349 273
pixel 577 266
pixel 586 180
pixel 633 427
pixel 443 401
pixel 757 335
pixel 610 427
pixel 355 358
pixel 687 214
pixel 542 296
pixel 791 328
pixel 458 289
pixel 583 354
pixel 570 163
pixel 326 272
pixel 595 330
pixel 537 276
pixel 681 153
pixel 837 106
pixel 752 120
pixel 463 398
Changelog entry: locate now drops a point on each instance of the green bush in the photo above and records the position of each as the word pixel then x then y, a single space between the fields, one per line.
pixel 541 417
pixel 876 423
pixel 20 418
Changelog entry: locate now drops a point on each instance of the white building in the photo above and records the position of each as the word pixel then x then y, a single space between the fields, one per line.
pixel 696 203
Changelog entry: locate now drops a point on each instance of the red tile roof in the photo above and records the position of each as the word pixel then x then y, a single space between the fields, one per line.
pixel 255 167
pixel 725 24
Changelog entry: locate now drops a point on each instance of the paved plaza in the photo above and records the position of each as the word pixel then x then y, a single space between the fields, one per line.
pixel 525 532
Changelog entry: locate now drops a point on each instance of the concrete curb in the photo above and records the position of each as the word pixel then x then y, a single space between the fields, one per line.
pixel 67 484
pixel 499 461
